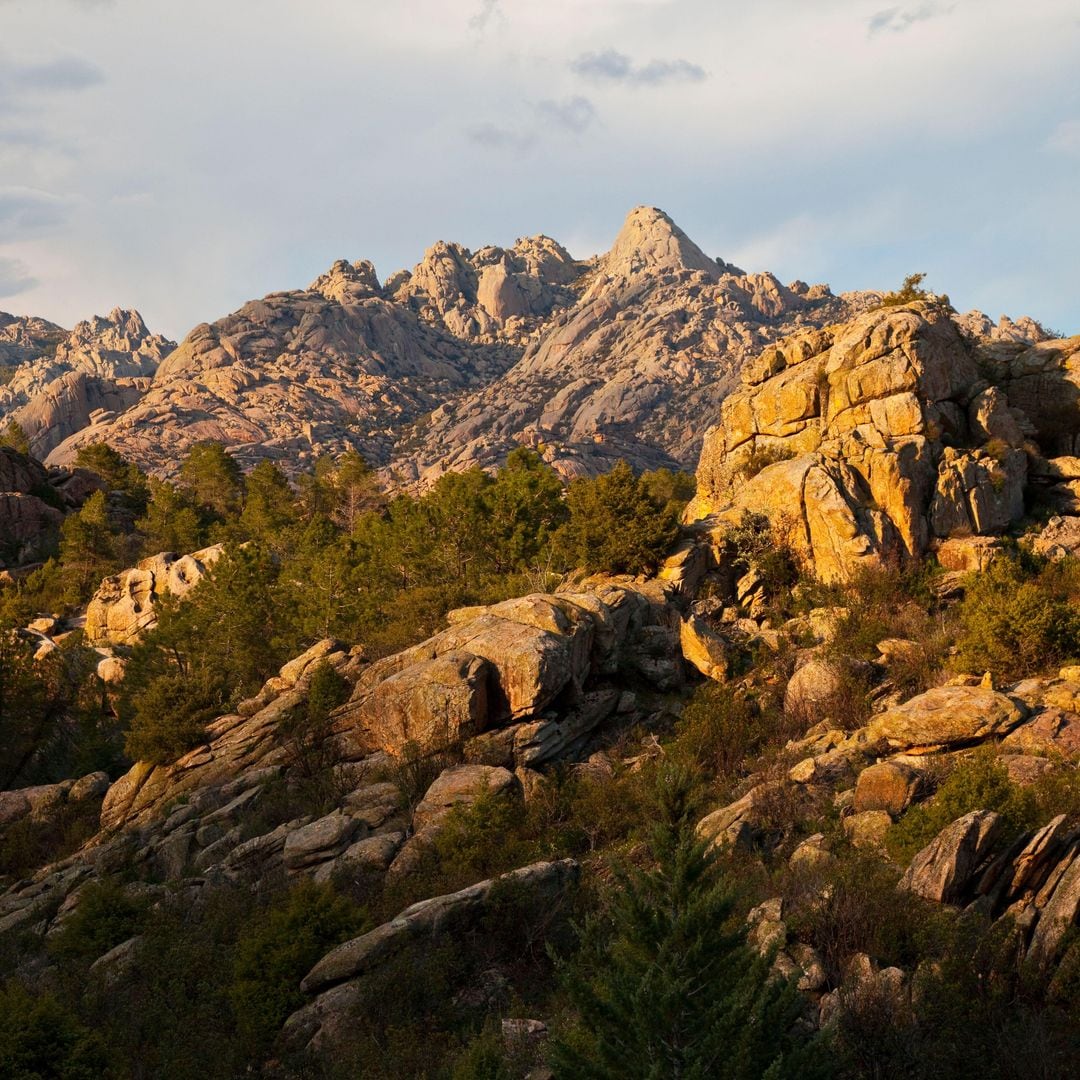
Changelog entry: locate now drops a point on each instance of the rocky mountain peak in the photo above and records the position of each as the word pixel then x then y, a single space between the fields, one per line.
pixel 650 240
pixel 115 345
pixel 346 283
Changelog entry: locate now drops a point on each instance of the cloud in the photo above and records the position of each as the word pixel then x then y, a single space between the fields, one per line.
pixel 1065 139
pixel 63 73
pixel 14 277
pixel 26 210
pixel 574 114
pixel 489 11
pixel 495 137
pixel 610 65
pixel 896 20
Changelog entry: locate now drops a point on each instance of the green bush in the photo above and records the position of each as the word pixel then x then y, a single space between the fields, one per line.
pixel 720 728
pixel 1019 618
pixel 484 1059
pixel 278 949
pixel 761 458
pixel 169 715
pixel 105 916
pixel 979 783
pixel 911 290
pixel 617 525
pixel 40 1039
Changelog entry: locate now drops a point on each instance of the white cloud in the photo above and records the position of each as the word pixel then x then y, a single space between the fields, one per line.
pixel 610 65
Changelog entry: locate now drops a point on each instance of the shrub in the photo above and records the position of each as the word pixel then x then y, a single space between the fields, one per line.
pixel 761 458
pixel 1020 618
pixel 760 543
pixel 40 1039
pixel 15 436
pixel 278 950
pixel 105 916
pixel 617 525
pixel 720 728
pixel 911 290
pixel 170 715
pixel 979 783
pixel 854 906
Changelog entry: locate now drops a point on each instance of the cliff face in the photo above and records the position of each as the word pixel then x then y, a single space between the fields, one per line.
pixel 875 439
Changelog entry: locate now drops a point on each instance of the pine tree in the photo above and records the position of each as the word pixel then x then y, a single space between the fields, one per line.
pixel 118 473
pixel 269 505
pixel 15 436
pixel 213 479
pixel 526 506
pixel 675 993
pixel 616 524
pixel 171 522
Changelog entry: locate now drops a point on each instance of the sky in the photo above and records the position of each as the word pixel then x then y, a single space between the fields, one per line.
pixel 183 157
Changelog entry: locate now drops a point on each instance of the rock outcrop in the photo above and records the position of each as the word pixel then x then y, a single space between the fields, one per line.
pixel 867 442
pixel 535 669
pixel 336 978
pixel 124 606
pixel 29 513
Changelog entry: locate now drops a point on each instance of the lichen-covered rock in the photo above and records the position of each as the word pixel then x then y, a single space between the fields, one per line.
pixel 888 436
pixel 890 786
pixel 946 716
pixel 944 869
pixel 430 704
pixel 461 785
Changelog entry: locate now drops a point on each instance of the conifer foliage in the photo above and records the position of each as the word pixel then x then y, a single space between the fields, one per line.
pixel 675 993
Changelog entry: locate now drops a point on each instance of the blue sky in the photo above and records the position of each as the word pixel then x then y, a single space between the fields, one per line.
pixel 184 157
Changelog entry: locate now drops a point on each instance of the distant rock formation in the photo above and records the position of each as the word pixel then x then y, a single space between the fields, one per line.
pixel 62 383
pixel 454 363
pixel 631 369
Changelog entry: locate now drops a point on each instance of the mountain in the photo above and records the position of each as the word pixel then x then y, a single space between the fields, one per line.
pixel 57 382
pixel 469 355
pixel 365 861
pixel 633 368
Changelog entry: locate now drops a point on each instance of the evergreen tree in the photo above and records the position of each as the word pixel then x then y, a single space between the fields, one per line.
pixel 15 436
pixel 526 507
pixel 616 524
pixel 269 505
pixel 356 490
pixel 171 522
pixel 90 548
pixel 118 473
pixel 213 479
pixel 675 991
pixel 341 491
pixel 209 650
